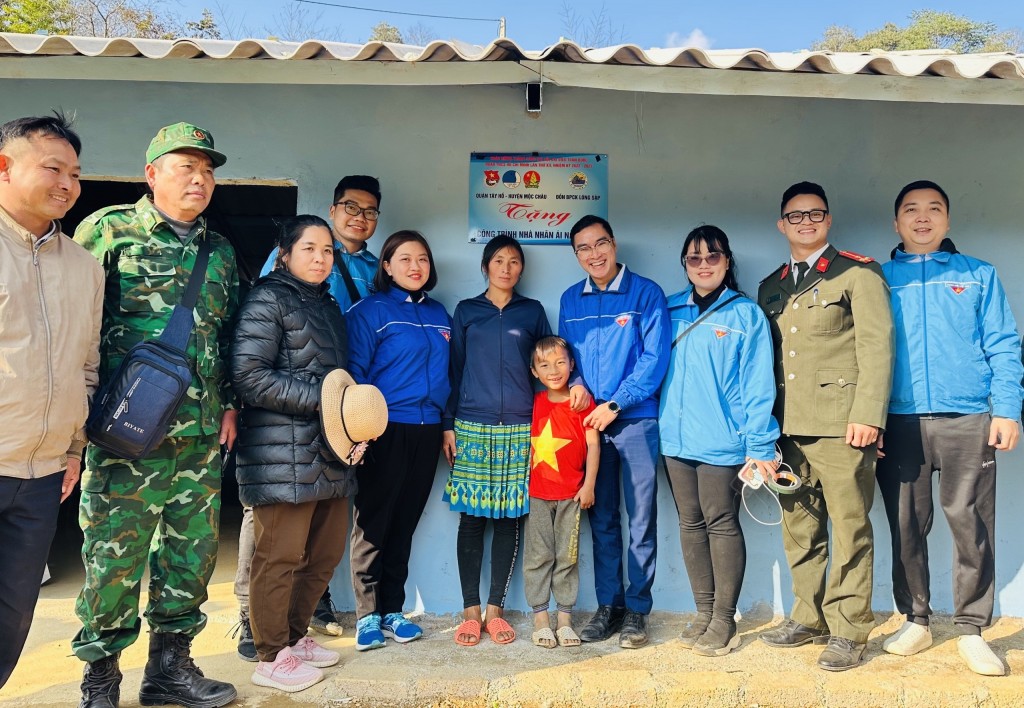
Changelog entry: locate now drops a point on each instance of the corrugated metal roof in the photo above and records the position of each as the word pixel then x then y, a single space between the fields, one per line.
pixel 902 64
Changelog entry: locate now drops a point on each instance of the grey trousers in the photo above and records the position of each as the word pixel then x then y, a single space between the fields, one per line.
pixel 957 447
pixel 246 547
pixel 551 552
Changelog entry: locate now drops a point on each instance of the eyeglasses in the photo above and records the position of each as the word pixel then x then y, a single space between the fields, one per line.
pixel 602 245
pixel 353 209
pixel 815 215
pixel 713 258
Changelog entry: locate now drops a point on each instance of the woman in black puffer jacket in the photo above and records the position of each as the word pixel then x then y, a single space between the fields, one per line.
pixel 290 334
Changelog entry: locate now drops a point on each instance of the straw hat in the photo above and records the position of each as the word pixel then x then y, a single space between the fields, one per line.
pixel 350 413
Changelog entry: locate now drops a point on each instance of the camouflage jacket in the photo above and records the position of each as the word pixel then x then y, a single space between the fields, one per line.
pixel 147 269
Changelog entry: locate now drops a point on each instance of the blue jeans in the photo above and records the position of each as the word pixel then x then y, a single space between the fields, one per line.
pixel 629 447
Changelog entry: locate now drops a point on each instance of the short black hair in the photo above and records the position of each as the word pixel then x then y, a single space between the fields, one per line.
pixel 56 126
pixel 919 184
pixel 382 282
pixel 496 244
pixel 364 183
pixel 292 229
pixel 802 188
pixel 585 222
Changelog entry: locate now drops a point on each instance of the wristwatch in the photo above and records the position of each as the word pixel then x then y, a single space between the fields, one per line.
pixel 614 407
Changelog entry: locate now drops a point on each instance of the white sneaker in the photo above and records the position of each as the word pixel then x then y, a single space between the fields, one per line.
pixel 309 652
pixel 909 639
pixel 287 672
pixel 979 656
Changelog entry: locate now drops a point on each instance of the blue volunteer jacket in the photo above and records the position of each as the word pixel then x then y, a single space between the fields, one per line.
pixel 490 360
pixel 716 402
pixel 362 266
pixel 957 347
pixel 620 340
pixel 401 347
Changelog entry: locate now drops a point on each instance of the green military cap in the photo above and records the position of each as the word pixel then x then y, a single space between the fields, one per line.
pixel 181 136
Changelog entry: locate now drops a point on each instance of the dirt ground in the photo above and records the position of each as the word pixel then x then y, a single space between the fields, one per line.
pixel 434 671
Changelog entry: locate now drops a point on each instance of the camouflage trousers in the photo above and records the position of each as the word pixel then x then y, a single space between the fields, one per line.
pixel 164 509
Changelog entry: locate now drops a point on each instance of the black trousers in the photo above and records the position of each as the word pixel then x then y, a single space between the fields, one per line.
pixel 393 488
pixel 470 551
pixel 28 520
pixel 707 498
pixel 957 447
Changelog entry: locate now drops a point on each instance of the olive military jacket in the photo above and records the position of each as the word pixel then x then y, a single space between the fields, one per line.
pixel 147 268
pixel 833 337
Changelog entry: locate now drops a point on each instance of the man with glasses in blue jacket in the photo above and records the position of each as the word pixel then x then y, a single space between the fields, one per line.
pixel 617 324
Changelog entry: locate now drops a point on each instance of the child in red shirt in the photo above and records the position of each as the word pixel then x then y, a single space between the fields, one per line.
pixel 563 470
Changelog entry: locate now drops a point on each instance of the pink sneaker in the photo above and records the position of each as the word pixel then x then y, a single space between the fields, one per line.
pixel 287 673
pixel 309 652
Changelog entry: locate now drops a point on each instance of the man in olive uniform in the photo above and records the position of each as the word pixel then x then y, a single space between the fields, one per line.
pixel 164 508
pixel 832 328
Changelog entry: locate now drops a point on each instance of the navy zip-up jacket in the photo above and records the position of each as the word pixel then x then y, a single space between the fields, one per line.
pixel 490 360
pixel 401 347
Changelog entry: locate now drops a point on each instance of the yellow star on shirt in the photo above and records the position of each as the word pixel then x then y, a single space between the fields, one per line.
pixel 546 447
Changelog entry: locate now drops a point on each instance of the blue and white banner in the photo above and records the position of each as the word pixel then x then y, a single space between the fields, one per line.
pixel 534 197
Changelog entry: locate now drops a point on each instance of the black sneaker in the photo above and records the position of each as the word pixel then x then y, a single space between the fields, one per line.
pixel 325 618
pixel 246 646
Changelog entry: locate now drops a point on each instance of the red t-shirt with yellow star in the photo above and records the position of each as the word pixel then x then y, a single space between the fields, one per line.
pixel 558 446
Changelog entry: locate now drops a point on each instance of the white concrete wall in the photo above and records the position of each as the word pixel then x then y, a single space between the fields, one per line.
pixel 675 161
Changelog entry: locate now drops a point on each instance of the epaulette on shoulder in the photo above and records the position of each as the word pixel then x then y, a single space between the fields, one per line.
pixel 777 270
pixel 95 217
pixel 856 257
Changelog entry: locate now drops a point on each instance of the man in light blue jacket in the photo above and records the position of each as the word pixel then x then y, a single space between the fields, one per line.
pixel 956 399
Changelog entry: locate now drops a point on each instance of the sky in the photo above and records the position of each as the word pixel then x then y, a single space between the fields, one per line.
pixel 535 24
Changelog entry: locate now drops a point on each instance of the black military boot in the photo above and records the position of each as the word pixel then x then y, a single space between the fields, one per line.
pixel 101 683
pixel 171 676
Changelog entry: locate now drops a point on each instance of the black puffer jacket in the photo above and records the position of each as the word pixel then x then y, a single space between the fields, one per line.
pixel 289 334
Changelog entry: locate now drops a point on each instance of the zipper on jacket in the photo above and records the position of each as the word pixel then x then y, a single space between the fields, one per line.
pixel 924 332
pixel 501 368
pixel 36 245
pixel 423 330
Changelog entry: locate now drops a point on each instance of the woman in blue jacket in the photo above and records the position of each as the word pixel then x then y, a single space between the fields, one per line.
pixel 398 341
pixel 487 431
pixel 715 414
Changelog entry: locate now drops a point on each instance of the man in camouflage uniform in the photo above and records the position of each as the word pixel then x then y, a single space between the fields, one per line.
pixel 165 507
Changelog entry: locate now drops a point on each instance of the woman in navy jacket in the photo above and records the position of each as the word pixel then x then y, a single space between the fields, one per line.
pixel 398 341
pixel 715 414
pixel 487 431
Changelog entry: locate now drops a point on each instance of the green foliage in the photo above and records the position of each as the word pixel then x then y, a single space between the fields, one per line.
pixel 31 16
pixel 928 29
pixel 383 32
pixel 204 28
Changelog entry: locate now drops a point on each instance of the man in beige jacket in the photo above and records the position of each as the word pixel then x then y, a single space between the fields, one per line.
pixel 51 299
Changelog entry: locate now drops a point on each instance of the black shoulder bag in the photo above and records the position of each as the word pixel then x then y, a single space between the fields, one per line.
pixel 134 408
pixel 350 284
